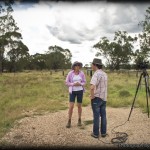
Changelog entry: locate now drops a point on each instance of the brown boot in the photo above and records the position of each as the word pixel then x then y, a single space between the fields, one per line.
pixel 68 124
pixel 79 122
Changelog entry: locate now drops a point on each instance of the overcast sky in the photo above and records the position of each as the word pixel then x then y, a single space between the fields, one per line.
pixel 76 26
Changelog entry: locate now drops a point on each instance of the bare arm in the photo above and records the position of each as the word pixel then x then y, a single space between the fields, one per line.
pixel 92 87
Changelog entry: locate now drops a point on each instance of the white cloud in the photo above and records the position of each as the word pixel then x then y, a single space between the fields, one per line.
pixel 76 26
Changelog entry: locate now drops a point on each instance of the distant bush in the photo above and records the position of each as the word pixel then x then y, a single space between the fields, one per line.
pixel 124 93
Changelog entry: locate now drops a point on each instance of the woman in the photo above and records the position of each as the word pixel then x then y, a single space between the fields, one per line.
pixel 75 80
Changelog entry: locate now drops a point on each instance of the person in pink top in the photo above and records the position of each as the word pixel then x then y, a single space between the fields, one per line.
pixel 75 81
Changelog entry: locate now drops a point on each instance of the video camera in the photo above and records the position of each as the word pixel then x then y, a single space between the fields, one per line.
pixel 143 65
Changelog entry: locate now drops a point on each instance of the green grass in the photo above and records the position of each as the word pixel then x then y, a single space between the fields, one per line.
pixel 121 90
pixel 40 92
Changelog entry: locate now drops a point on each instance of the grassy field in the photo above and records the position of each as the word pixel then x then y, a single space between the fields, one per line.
pixel 40 92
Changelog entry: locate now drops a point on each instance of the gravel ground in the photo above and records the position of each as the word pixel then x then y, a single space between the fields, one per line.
pixel 49 129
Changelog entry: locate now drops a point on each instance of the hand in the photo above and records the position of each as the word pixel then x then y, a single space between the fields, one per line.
pixel 91 97
pixel 77 84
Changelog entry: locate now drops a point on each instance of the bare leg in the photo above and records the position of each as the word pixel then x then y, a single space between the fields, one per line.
pixel 79 113
pixel 79 110
pixel 71 106
pixel 70 112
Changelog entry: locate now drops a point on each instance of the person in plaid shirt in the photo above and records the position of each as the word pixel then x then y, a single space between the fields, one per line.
pixel 98 96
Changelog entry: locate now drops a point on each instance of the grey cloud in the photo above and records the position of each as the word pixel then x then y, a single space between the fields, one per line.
pixel 53 30
pixel 65 34
pixel 125 17
pixel 45 3
pixel 71 35
pixel 122 17
pixel 130 28
pixel 22 5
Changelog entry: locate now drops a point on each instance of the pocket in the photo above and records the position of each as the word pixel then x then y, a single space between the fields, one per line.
pixel 94 103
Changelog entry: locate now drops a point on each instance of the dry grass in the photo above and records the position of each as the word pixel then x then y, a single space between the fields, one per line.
pixel 39 92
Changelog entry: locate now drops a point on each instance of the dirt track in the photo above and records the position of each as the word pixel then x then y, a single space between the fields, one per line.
pixel 50 130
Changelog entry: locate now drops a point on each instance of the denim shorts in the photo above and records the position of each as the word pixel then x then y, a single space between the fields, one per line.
pixel 78 94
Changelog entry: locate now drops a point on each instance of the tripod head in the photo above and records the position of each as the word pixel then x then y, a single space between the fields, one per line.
pixel 142 65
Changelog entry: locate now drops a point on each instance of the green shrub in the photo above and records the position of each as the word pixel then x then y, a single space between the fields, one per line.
pixel 124 93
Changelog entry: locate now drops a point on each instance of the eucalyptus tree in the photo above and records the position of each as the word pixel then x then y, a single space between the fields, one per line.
pixel 117 52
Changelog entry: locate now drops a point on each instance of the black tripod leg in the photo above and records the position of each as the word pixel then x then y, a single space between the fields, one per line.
pixel 148 91
pixel 135 96
pixel 149 97
pixel 146 88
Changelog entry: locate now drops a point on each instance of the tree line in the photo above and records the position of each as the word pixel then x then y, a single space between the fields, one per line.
pixel 14 54
pixel 119 53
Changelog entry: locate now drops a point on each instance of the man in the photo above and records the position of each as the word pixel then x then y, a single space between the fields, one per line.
pixel 98 96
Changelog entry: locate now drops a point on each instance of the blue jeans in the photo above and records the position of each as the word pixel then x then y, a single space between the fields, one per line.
pixel 99 111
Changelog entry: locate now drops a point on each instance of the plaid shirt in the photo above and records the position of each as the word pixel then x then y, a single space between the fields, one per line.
pixel 99 79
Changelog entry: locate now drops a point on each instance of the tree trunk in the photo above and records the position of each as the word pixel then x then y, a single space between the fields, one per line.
pixel 63 73
pixel 137 73
pixel 1 60
pixel 0 67
pixel 91 73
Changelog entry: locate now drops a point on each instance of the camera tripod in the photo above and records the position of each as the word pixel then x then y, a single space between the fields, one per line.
pixel 145 75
